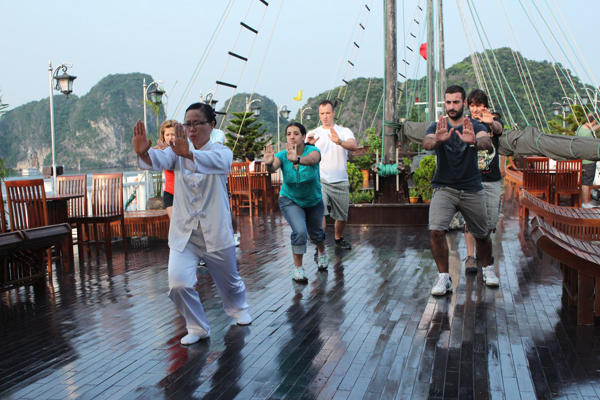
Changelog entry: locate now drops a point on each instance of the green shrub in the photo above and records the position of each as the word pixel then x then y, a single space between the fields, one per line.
pixel 412 192
pixel 424 175
pixel 365 162
pixel 355 177
pixel 362 196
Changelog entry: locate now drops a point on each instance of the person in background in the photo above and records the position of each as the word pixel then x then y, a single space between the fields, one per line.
pixel 334 142
pixel 250 159
pixel 589 167
pixel 300 198
pixel 200 224
pixel 167 135
pixel 491 179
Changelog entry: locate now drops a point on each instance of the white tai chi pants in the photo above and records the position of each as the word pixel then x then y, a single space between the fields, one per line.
pixel 182 279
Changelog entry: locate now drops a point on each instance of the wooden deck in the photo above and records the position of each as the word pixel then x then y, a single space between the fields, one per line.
pixel 368 328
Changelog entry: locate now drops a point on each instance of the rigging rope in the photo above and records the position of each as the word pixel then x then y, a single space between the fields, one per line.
pixel 204 57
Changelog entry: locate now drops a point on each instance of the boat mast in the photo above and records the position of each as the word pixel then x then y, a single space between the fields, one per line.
pixel 391 82
pixel 430 70
pixel 442 82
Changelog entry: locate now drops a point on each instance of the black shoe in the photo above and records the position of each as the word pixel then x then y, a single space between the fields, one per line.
pixel 341 242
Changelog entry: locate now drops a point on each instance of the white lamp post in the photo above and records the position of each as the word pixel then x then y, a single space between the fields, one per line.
pixel 285 113
pixel 155 95
pixel 64 84
pixel 308 114
pixel 208 99
pixel 253 108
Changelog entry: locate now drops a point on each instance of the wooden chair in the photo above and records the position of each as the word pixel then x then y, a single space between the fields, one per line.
pixel 74 184
pixel 260 181
pixel 240 188
pixel 568 181
pixel 107 207
pixel 536 176
pixel 27 207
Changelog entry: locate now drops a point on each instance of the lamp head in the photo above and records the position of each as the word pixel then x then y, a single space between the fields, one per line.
pixel 156 95
pixel 64 83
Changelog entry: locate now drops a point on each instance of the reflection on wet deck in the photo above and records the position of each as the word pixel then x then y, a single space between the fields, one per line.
pixel 368 328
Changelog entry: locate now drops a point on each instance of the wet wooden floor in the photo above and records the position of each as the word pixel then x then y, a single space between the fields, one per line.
pixel 367 328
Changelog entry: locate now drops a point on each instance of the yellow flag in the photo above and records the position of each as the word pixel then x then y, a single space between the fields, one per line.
pixel 298 96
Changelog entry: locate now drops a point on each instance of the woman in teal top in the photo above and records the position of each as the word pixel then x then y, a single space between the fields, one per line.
pixel 300 196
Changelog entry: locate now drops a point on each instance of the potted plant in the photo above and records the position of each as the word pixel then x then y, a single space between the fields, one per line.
pixel 354 177
pixel 156 202
pixel 413 195
pixel 365 163
pixel 362 196
pixel 423 177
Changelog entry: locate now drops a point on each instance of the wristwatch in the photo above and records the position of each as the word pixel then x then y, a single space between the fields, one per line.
pixel 297 161
pixel 474 144
pixel 340 141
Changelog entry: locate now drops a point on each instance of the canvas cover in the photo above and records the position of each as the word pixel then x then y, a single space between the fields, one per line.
pixel 528 142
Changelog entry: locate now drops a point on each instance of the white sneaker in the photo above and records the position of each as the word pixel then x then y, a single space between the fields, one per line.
pixel 443 285
pixel 489 276
pixel 190 338
pixel 323 261
pixel 201 263
pixel 299 275
pixel 587 205
pixel 245 318
pixel 236 239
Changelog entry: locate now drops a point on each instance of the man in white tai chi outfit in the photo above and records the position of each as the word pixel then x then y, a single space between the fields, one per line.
pixel 201 221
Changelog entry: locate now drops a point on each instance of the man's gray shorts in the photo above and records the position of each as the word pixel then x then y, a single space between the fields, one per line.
pixel 447 201
pixel 337 195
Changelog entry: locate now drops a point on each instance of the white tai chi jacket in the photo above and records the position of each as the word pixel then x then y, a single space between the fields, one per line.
pixel 201 200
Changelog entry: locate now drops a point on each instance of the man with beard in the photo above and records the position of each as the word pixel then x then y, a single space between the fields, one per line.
pixel 457 182
pixel 491 179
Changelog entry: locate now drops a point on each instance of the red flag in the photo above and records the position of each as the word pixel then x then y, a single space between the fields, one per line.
pixel 423 51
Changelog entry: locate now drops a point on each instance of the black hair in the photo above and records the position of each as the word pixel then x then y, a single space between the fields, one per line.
pixel 456 89
pixel 326 102
pixel 298 125
pixel 207 110
pixel 478 97
pixel 249 156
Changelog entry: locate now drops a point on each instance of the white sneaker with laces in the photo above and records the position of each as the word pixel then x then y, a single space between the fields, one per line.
pixel 236 239
pixel 587 205
pixel 245 318
pixel 323 261
pixel 191 338
pixel 443 285
pixel 299 275
pixel 489 276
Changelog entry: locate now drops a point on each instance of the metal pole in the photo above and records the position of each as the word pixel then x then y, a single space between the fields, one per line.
pixel 52 125
pixel 278 133
pixel 430 69
pixel 144 101
pixel 442 64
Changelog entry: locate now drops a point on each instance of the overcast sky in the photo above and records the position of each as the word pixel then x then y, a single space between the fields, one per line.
pixel 301 44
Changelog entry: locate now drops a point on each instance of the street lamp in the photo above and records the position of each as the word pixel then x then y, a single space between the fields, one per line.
pixel 308 114
pixel 208 99
pixel 155 94
pixel 285 113
pixel 253 108
pixel 64 84
pixel 558 109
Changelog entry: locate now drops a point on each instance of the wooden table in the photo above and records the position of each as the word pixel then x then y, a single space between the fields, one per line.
pixel 58 213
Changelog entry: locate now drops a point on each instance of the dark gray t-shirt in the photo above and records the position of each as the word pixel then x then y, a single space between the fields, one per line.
pixel 457 161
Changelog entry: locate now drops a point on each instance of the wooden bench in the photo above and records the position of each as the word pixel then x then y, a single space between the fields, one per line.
pixel 581 223
pixel 580 263
pixel 514 179
pixel 23 254
pixel 142 223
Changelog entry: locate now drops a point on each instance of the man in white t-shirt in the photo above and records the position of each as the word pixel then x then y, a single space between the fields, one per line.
pixel 334 142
